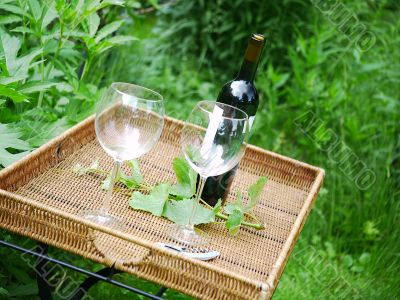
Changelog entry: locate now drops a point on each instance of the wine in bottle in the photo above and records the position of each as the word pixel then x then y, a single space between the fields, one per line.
pixel 241 93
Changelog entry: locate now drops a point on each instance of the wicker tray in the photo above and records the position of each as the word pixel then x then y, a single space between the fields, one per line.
pixel 40 198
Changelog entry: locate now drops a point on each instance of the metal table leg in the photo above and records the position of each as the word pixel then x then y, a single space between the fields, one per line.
pixel 161 291
pixel 90 281
pixel 41 273
pixel 103 275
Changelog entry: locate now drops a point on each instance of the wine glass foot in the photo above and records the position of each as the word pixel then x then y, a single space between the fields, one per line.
pixel 187 235
pixel 103 219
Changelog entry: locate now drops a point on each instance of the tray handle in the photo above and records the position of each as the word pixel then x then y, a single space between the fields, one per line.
pixel 117 251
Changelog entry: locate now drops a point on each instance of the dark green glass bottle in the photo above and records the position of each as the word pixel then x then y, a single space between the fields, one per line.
pixel 242 94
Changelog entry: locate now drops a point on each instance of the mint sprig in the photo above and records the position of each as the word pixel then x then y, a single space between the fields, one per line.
pixel 133 180
pixel 238 211
pixel 175 201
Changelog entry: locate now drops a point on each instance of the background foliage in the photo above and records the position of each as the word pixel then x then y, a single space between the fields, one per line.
pixel 56 57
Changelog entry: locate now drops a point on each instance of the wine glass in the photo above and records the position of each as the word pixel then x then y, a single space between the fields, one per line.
pixel 129 122
pixel 213 141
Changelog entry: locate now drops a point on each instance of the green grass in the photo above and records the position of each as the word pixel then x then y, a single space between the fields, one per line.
pixel 349 246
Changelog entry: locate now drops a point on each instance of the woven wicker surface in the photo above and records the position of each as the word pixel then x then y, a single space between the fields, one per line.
pixel 41 197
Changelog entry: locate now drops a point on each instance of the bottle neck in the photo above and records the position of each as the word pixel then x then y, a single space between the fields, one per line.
pixel 251 58
pixel 248 71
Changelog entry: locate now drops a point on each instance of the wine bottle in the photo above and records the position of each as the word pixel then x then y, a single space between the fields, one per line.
pixel 241 93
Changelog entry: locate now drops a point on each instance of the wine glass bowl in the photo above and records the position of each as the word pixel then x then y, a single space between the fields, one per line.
pixel 213 141
pixel 132 124
pixel 214 151
pixel 129 122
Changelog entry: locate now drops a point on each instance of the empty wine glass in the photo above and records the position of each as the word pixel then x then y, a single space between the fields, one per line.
pixel 213 142
pixel 129 122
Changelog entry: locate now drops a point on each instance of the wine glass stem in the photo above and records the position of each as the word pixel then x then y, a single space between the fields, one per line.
pixel 107 200
pixel 200 187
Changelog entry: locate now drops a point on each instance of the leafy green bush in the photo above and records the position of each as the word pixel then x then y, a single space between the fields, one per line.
pixel 187 50
pixel 216 32
pixel 48 51
pixel 53 61
pixel 311 68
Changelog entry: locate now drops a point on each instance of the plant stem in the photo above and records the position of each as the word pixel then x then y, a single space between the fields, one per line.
pixel 85 68
pixel 257 226
pixel 204 202
pixel 41 94
pixel 141 185
pixel 60 42
pixel 252 216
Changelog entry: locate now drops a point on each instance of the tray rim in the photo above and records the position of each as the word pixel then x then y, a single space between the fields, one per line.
pixel 266 287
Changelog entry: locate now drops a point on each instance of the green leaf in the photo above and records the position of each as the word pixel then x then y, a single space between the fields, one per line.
pixel 80 170
pixel 135 179
pixel 40 132
pixel 93 22
pixel 18 290
pixel 364 258
pixel 24 62
pixel 112 2
pixel 22 29
pixel 106 183
pixel 15 96
pixel 370 230
pixel 107 30
pixel 153 203
pixel 330 249
pixel 36 10
pixel 239 200
pixel 186 178
pixel 234 221
pixel 9 19
pixel 92 5
pixel 357 269
pixel 17 66
pixel 154 3
pixel 218 207
pixel 12 79
pixel 255 191
pixel 182 191
pixel 368 67
pixel 37 86
pixel 135 168
pixel 11 46
pixel 4 292
pixel 50 15
pixel 203 215
pixel 7 158
pixel 179 212
pixel 229 208
pixel 18 272
pixel 348 260
pixel 237 205
pixel 10 138
pixel 76 33
pixel 121 39
pixel 13 9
